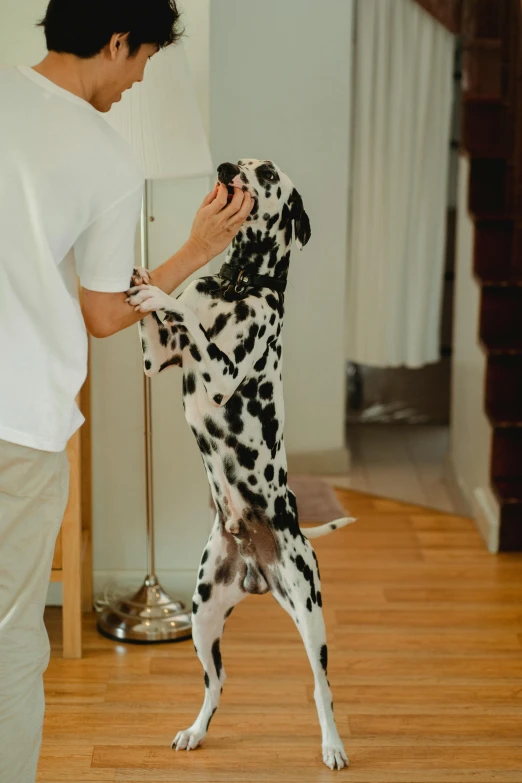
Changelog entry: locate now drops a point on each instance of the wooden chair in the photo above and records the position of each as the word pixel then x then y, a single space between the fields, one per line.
pixel 72 564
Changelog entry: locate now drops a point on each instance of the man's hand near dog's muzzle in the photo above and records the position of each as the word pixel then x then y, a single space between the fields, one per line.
pixel 215 225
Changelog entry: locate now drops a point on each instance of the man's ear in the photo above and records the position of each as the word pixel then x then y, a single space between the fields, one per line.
pixel 300 219
pixel 119 43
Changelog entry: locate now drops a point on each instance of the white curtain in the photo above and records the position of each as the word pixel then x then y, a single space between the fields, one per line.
pixel 401 150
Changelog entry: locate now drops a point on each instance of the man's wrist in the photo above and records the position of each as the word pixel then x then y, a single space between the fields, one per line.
pixel 197 252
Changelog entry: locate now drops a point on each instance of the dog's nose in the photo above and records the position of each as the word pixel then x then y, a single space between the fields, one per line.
pixel 227 172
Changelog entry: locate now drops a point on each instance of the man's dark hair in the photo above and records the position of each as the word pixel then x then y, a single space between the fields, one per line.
pixel 85 27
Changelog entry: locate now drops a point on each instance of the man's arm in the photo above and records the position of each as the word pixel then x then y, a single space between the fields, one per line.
pixel 215 225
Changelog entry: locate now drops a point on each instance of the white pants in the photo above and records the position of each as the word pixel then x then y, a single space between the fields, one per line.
pixel 33 496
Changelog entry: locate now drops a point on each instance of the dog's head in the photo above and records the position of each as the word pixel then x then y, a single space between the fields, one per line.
pixel 277 204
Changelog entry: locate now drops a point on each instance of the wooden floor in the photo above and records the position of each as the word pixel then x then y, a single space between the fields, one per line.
pixel 425 638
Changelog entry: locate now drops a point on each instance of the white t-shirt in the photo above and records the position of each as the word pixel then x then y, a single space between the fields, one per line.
pixel 70 197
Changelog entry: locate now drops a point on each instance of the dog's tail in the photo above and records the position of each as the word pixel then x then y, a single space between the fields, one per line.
pixel 323 530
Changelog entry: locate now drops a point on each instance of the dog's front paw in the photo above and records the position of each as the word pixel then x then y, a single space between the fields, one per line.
pixel 187 740
pixel 334 756
pixel 140 276
pixel 147 298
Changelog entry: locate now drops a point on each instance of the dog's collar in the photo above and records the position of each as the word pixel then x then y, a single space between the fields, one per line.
pixel 240 278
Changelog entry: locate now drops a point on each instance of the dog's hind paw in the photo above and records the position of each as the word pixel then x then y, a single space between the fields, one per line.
pixel 334 756
pixel 187 740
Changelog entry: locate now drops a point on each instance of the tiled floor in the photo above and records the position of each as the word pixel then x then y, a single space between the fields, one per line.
pixel 404 462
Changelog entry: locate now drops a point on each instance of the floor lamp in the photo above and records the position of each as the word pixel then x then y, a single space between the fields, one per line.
pixel 160 119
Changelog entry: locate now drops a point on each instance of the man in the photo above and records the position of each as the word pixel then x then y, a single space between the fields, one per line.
pixel 70 196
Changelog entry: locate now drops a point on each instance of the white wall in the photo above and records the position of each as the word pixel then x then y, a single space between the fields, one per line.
pixel 281 90
pixel 470 450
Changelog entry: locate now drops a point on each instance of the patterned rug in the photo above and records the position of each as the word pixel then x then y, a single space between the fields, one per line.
pixel 316 499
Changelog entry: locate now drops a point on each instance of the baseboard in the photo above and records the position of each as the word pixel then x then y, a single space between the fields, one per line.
pixel 180 584
pixel 330 462
pixel 480 504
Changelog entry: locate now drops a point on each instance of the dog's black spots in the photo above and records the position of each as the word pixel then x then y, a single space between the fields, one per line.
pixel 205 591
pixel 229 612
pixel 249 389
pixel 239 353
pixel 270 424
pixel 218 399
pixel 254 408
pixel 224 573
pixel 206 377
pixel 163 336
pixel 195 352
pixel 252 480
pixel 266 391
pixel 282 477
pixel 216 655
pixel 148 364
pixel 241 311
pixel 204 445
pixel 323 655
pixel 231 442
pixel 214 352
pixel 219 324
pixel 260 365
pixel 210 719
pixel 251 339
pixel 207 681
pixel 205 557
pixel 195 607
pixel 319 598
pixel 272 301
pixel 191 383
pixel 272 319
pixel 183 341
pixel 333 526
pixel 174 362
pixel 262 331
pixel 309 605
pixel 246 456
pixel 278 192
pixel 269 472
pixel 201 574
pixel 272 220
pixel 332 706
pixel 230 470
pixel 213 429
pixel 300 563
pixel 266 217
pixel 257 500
pixel 233 411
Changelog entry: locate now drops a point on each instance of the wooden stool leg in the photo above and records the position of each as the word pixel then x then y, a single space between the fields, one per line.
pixel 72 567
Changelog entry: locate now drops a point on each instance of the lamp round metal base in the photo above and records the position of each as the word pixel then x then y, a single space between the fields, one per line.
pixel 147 617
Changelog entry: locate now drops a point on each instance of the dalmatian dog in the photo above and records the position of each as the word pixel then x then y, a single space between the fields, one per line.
pixel 224 332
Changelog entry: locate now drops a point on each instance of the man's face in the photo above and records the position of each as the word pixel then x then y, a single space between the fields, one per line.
pixel 120 72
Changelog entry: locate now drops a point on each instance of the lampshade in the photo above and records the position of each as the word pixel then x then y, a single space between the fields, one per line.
pixel 161 120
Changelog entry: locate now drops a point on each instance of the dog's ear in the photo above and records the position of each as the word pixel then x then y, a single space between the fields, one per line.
pixel 300 219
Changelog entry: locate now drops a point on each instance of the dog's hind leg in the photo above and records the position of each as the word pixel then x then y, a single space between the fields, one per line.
pixel 299 594
pixel 217 592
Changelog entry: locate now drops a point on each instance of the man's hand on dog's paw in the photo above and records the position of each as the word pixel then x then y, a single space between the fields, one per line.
pixel 140 276
pixel 147 298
